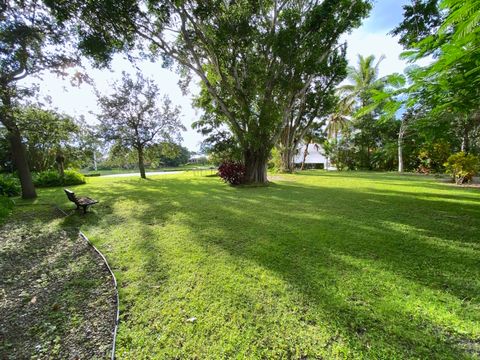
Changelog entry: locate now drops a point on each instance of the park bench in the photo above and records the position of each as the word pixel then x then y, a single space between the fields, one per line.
pixel 83 202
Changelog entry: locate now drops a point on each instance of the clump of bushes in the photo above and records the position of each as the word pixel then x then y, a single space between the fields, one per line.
pixel 275 161
pixel 232 172
pixel 9 185
pixel 462 167
pixel 52 178
pixel 6 206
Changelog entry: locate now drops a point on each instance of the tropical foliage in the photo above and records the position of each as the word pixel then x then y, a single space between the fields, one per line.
pixel 9 185
pixel 462 167
pixel 416 120
pixel 53 178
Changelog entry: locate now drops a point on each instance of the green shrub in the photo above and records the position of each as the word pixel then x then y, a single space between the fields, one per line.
pixel 6 206
pixel 52 178
pixel 47 178
pixel 92 174
pixel 9 185
pixel 462 167
pixel 73 177
pixel 275 161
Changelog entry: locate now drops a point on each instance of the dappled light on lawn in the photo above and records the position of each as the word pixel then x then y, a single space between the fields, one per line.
pixel 317 264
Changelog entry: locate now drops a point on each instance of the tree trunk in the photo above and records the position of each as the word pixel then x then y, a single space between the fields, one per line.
pixel 305 154
pixel 94 160
pixel 255 167
pixel 287 159
pixel 401 135
pixel 465 141
pixel 18 149
pixel 61 169
pixel 400 152
pixel 141 164
pixel 21 164
pixel 60 159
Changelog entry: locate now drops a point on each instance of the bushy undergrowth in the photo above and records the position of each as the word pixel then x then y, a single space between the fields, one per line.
pixel 9 185
pixel 6 206
pixel 462 167
pixel 232 172
pixel 53 178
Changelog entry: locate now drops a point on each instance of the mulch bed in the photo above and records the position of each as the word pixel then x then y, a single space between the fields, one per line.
pixel 57 299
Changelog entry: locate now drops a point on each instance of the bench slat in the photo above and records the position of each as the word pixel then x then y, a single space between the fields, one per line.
pixel 80 201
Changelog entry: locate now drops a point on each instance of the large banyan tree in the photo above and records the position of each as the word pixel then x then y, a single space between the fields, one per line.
pixel 257 60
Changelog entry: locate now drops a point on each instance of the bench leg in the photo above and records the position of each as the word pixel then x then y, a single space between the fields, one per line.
pixel 85 209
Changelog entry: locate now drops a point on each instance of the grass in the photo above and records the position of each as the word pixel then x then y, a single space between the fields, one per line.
pixel 132 171
pixel 317 265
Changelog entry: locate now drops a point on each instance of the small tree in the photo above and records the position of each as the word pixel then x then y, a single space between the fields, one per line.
pixel 48 138
pixel 463 167
pixel 131 117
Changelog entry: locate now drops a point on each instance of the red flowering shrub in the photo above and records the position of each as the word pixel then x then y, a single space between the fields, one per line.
pixel 232 172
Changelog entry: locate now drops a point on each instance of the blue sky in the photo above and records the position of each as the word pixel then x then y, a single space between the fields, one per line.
pixel 386 14
pixel 370 38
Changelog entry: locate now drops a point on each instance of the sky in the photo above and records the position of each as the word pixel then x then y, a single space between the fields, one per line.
pixel 371 38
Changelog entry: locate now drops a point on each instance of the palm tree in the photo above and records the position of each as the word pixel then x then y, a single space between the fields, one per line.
pixel 338 120
pixel 363 80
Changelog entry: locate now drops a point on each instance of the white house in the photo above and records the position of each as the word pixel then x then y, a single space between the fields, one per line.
pixel 197 159
pixel 316 157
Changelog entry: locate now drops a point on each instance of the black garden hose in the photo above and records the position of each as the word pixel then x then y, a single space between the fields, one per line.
pixel 114 279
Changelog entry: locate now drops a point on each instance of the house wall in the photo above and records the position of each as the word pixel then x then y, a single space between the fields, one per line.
pixel 315 155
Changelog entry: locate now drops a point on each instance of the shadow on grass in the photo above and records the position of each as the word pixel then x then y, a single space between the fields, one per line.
pixel 378 264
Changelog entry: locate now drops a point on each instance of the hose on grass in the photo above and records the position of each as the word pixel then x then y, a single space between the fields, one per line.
pixel 114 279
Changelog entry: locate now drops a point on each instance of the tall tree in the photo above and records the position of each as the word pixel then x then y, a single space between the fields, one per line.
pixel 421 19
pixel 132 118
pixel 319 101
pixel 167 154
pixel 31 41
pixel 338 120
pixel 256 60
pixel 388 99
pixel 363 79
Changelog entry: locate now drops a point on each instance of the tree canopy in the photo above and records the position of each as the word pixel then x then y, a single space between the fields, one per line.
pixel 256 60
pixel 132 117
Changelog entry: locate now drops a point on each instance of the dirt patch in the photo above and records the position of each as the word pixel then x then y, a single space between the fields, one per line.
pixel 57 300
pixel 474 184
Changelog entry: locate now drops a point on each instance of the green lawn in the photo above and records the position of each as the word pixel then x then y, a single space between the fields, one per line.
pixel 317 265
pixel 131 171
